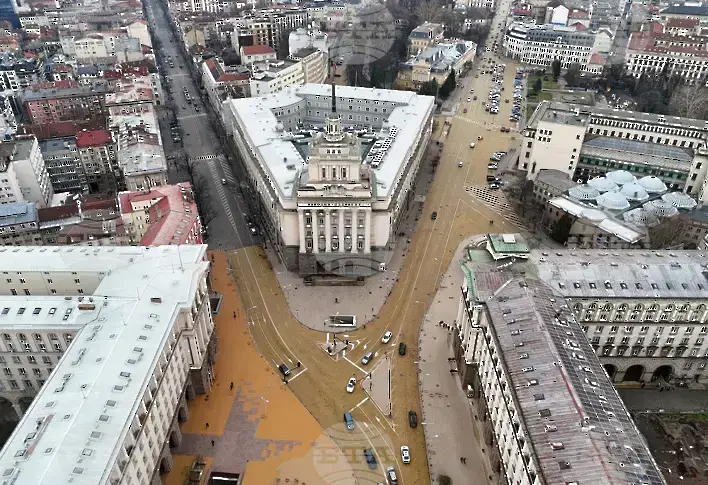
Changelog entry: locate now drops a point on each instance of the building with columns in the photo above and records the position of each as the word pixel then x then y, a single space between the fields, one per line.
pixel 331 173
pixel 644 313
pixel 101 347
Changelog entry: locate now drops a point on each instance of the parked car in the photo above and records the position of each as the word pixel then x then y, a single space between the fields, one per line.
pixel 413 419
pixel 492 166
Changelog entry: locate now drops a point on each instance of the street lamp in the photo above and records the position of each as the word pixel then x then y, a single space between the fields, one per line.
pixel 265 405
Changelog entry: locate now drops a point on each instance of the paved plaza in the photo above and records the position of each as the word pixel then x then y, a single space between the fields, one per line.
pixel 448 419
pixel 258 428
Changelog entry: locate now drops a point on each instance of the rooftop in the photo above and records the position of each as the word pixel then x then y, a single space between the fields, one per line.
pixel 141 158
pixel 16 213
pixel 93 138
pixel 570 411
pixel 254 50
pixel 406 111
pixel 640 153
pixel 557 112
pixel 94 393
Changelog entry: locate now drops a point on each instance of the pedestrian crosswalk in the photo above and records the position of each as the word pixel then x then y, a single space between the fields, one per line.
pixel 496 202
pixel 482 123
pixel 205 157
pixel 189 117
pixel 228 173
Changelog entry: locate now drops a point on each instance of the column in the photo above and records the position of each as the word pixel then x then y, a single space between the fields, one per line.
pixel 301 228
pixel 328 231
pixel 367 232
pixel 315 231
pixel 18 410
pixel 341 230
pixel 354 229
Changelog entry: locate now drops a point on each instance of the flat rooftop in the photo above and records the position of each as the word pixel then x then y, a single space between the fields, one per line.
pixel 74 428
pixel 636 152
pixel 557 112
pixel 407 112
pixel 641 117
pixel 558 381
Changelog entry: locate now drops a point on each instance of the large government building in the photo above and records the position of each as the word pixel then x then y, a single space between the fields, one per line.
pixel 101 349
pixel 333 173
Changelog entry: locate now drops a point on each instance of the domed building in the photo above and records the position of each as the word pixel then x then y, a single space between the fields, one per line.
pixel 634 191
pixel 621 177
pixel 613 201
pixel 602 184
pixel 652 184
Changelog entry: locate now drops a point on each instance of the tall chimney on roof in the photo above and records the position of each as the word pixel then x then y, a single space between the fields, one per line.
pixel 334 100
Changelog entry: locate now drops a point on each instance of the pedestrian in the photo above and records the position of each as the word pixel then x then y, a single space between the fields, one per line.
pixel 212 442
pixel 231 387
pixel 207 426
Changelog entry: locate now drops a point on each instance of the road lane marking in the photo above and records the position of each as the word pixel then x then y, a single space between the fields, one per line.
pixel 395 456
pixel 355 365
pixel 373 448
pixel 362 402
pixel 297 375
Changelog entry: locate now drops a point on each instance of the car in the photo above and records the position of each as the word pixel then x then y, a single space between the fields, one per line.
pixel 223 181
pixel 254 230
pixel 469 99
pixel 492 166
pixel 405 454
pixel 184 107
pixel 196 108
pixel 387 337
pixel 401 349
pixel 370 458
pixel 284 370
pixel 492 178
pixel 494 186
pixel 434 215
pixel 391 475
pixel 413 419
pixel 349 421
pixel 473 144
pixel 464 110
pixel 475 98
pixel 351 385
pixel 367 358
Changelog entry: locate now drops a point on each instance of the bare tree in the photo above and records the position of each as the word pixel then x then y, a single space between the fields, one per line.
pixel 429 11
pixel 690 101
pixel 202 197
pixel 667 234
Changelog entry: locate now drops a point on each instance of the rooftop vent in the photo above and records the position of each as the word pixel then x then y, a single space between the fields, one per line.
pixel 155 299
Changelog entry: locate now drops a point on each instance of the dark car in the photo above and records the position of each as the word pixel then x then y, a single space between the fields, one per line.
pixel 370 458
pixel 401 349
pixel 434 215
pixel 413 419
pixel 284 369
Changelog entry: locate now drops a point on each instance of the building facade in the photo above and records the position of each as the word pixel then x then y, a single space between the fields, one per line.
pixel 273 77
pixel 540 45
pixel 156 346
pixel 328 206
pixel 23 174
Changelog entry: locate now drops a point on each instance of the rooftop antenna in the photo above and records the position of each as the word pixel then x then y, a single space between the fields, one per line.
pixel 179 255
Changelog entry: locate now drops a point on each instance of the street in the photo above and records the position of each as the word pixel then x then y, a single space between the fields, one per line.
pixel 227 228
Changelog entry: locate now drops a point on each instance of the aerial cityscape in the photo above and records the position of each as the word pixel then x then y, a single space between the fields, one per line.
pixel 415 242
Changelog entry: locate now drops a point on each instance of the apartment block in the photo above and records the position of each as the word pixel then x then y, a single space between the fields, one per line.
pixel 63 164
pixel 97 155
pixel 64 101
pixel 540 45
pixel 23 175
pixel 144 315
pixel 315 65
pixel 273 77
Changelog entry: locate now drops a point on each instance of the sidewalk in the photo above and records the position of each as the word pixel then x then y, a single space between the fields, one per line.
pixel 363 301
pixel 450 432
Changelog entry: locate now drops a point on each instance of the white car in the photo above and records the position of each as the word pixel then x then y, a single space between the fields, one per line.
pixel 386 337
pixel 472 145
pixel 405 454
pixel 351 385
pixel 469 99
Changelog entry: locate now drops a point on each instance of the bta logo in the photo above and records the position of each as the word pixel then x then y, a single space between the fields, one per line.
pixel 367 37
pixel 343 457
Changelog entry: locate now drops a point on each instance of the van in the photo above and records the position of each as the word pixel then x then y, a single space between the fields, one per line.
pixel 284 370
pixel 349 421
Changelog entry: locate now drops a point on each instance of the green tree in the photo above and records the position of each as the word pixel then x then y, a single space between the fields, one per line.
pixel 448 86
pixel 429 88
pixel 572 75
pixel 561 229
pixel 538 85
pixel 556 67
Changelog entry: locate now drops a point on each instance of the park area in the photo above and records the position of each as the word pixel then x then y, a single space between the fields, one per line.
pixel 538 86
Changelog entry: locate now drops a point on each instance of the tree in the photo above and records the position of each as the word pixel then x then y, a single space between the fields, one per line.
pixel 572 75
pixel 429 11
pixel 448 86
pixel 284 44
pixel 444 480
pixel 556 68
pixel 561 229
pixel 690 102
pixel 538 85
pixel 667 234
pixel 429 88
pixel 202 197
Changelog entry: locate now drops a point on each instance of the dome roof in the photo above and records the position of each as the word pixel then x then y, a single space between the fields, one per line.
pixel 621 177
pixel 602 184
pixel 660 208
pixel 640 217
pixel 679 200
pixel 634 191
pixel 652 184
pixel 613 201
pixel 593 215
pixel 584 192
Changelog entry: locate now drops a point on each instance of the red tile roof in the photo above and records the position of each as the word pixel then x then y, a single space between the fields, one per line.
pixel 252 50
pixel 655 28
pixel 578 14
pixel 93 138
pixel 61 129
pixel 682 23
pixel 597 59
pixel 579 26
pixel 662 44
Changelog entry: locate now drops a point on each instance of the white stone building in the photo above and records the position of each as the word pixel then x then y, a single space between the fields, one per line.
pixel 110 342
pixel 23 174
pixel 331 204
pixel 543 395
pixel 273 77
pixel 315 65
pixel 540 45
